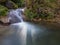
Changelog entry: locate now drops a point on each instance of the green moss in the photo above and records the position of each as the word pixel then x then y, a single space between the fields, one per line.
pixel 3 10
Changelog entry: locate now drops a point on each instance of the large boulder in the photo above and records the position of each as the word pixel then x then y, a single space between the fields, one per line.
pixel 11 5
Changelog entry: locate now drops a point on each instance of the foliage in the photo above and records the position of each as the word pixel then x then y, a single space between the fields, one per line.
pixel 20 3
pixel 29 14
pixel 41 8
pixel 3 10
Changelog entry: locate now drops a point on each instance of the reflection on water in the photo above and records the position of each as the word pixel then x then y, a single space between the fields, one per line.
pixel 27 33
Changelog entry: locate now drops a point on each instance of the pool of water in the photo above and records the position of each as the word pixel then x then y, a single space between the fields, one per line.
pixel 29 33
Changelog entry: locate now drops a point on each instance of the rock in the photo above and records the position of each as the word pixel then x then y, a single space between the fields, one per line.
pixel 11 5
pixel 4 19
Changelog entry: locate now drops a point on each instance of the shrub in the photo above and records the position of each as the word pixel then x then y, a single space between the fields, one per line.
pixel 29 14
pixel 41 8
pixel 3 10
pixel 20 3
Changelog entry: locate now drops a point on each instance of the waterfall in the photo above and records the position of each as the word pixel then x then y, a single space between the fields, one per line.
pixel 15 16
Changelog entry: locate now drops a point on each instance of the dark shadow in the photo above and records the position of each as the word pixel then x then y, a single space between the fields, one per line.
pixel 4 24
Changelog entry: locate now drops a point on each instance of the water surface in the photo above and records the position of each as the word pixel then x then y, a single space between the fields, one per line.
pixel 28 33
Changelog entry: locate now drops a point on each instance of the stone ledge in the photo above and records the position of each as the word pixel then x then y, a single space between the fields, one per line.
pixel 4 19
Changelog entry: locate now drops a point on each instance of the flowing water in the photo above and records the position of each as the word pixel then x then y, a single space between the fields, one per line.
pixel 30 33
pixel 15 16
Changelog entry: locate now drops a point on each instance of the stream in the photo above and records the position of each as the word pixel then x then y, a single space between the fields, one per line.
pixel 29 33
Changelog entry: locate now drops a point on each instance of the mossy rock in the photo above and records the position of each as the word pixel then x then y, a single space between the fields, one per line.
pixel 11 5
pixel 3 10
